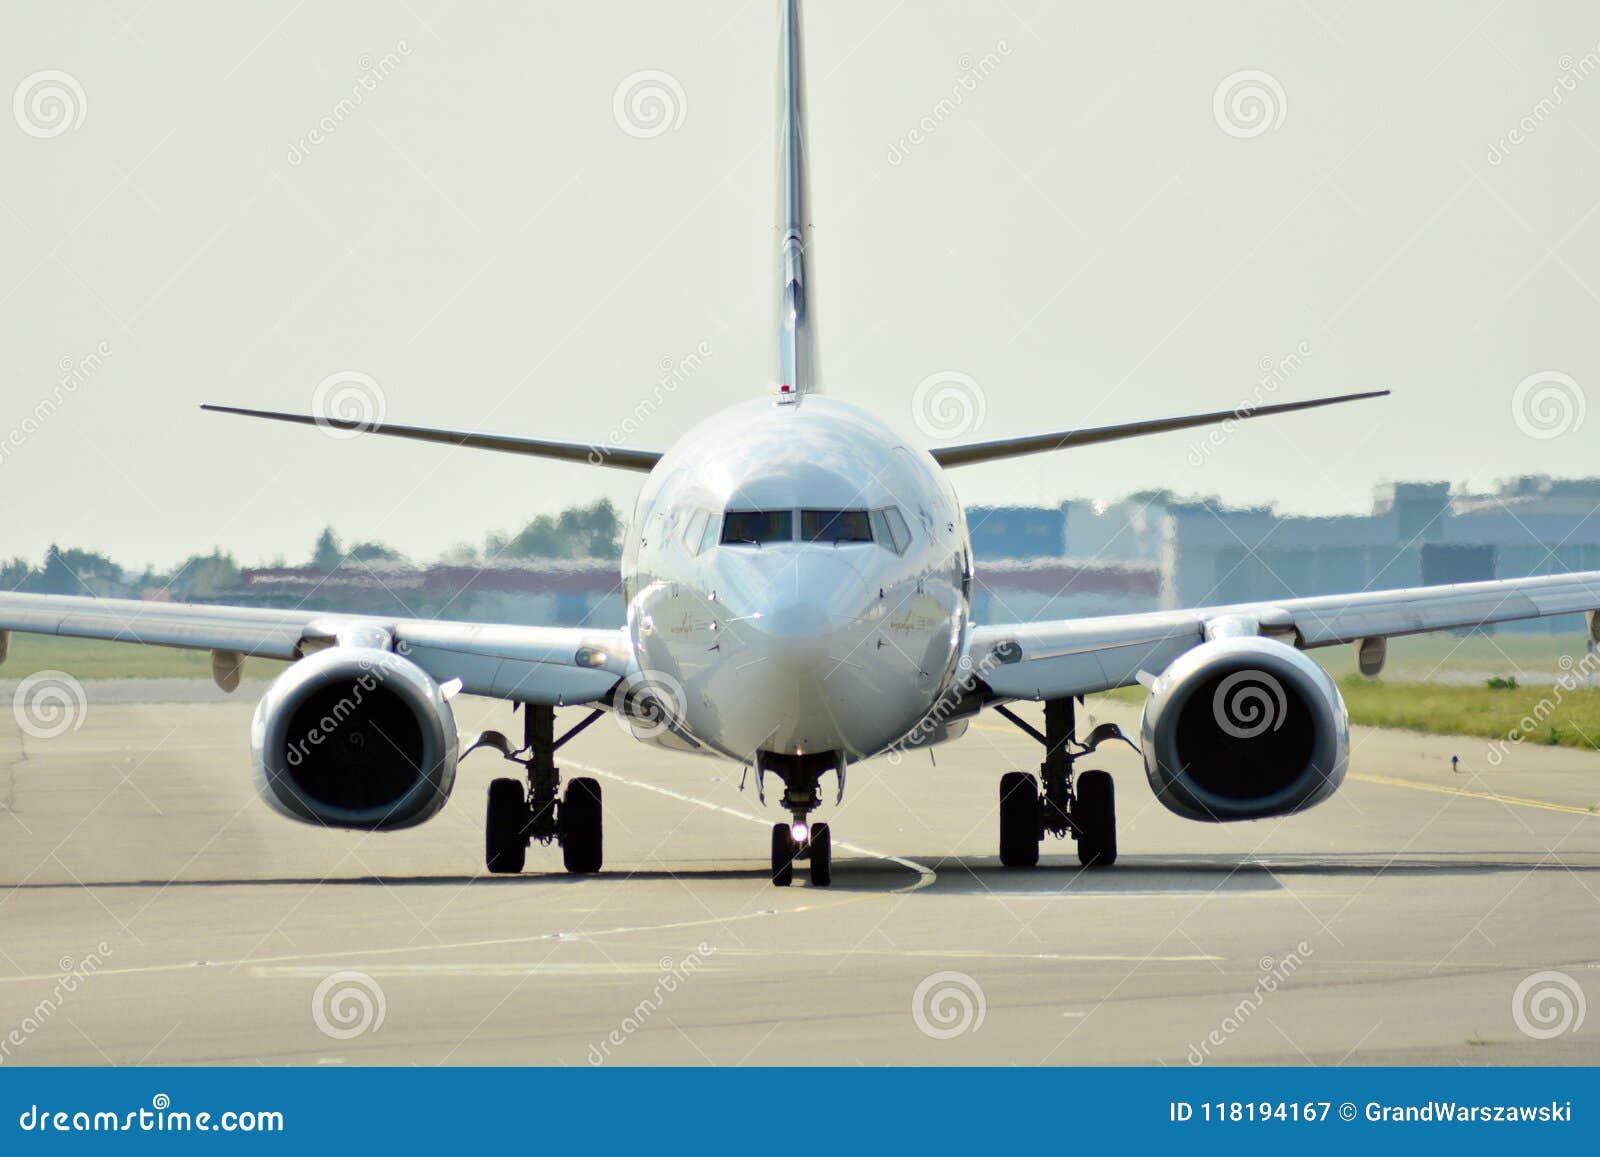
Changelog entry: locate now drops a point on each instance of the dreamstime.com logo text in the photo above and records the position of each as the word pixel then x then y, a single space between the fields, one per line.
pixel 1274 373
pixel 973 72
pixel 954 700
pixel 74 974
pixel 72 374
pixel 1575 675
pixel 673 375
pixel 674 974
pixel 160 1117
pixel 372 74
pixel 1274 975
pixel 1566 83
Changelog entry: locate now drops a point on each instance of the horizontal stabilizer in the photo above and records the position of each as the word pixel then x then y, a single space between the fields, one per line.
pixel 970 452
pixel 642 460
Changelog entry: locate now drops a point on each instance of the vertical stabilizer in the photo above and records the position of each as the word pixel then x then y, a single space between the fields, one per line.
pixel 796 340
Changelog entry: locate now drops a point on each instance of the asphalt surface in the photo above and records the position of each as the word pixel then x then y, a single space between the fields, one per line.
pixel 153 911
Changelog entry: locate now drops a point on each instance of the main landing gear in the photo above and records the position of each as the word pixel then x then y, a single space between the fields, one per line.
pixel 801 839
pixel 519 814
pixel 1081 804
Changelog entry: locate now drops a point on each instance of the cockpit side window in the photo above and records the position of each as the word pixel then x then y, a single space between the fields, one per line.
pixel 695 531
pixel 891 529
pixel 754 527
pixel 835 526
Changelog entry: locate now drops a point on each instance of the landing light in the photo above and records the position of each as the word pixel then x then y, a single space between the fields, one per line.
pixel 800 832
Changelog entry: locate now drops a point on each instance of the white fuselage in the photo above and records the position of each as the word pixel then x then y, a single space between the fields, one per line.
pixel 789 643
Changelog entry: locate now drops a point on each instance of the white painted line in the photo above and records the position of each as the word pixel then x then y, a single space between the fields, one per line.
pixel 925 875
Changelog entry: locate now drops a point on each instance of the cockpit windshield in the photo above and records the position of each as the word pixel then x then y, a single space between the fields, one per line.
pixel 886 527
pixel 754 527
pixel 835 526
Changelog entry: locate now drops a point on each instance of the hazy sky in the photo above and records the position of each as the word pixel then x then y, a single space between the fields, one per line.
pixel 1085 225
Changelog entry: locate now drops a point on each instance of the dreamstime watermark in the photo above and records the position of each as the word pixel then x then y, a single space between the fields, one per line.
pixel 48 704
pixel 373 72
pixel 952 704
pixel 648 103
pixel 1547 1005
pixel 674 974
pixel 348 1004
pixel 1248 103
pixel 1571 73
pixel 72 374
pixel 74 973
pixel 948 404
pixel 948 1004
pixel 1249 703
pixel 349 403
pixel 1548 404
pixel 49 103
pixel 650 704
pixel 1274 373
pixel 672 375
pixel 1575 675
pixel 972 73
pixel 327 726
pixel 1275 973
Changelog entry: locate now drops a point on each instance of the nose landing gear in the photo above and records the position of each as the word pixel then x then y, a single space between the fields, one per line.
pixel 800 839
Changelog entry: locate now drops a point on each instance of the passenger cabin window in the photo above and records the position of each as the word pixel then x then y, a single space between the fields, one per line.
pixel 754 527
pixel 835 526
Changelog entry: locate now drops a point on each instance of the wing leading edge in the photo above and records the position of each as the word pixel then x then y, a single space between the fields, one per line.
pixel 1052 660
pixel 547 665
pixel 969 453
pixel 640 460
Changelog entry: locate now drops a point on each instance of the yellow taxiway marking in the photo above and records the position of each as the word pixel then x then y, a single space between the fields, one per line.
pixel 1492 797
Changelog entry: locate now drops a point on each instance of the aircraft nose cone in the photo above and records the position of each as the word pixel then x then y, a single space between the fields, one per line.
pixel 798 628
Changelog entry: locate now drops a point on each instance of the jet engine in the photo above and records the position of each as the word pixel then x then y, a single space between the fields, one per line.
pixel 1243 728
pixel 355 737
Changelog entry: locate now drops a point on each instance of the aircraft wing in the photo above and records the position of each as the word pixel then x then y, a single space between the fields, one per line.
pixel 1052 660
pixel 546 665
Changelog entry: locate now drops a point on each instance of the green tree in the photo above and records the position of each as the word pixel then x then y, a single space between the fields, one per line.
pixel 75 572
pixel 593 531
pixel 204 575
pixel 372 552
pixel 326 556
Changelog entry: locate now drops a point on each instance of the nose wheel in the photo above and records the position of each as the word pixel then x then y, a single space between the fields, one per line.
pixel 816 848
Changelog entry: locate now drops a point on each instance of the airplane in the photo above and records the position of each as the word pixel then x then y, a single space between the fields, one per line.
pixel 798 587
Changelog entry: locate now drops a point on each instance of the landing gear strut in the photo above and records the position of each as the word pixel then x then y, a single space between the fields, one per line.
pixel 801 839
pixel 1059 802
pixel 519 814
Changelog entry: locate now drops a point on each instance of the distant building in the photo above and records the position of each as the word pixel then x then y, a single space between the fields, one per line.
pixel 1078 559
pixel 1017 532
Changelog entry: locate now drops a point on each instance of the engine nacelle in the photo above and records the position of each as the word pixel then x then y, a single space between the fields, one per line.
pixel 1243 728
pixel 355 737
